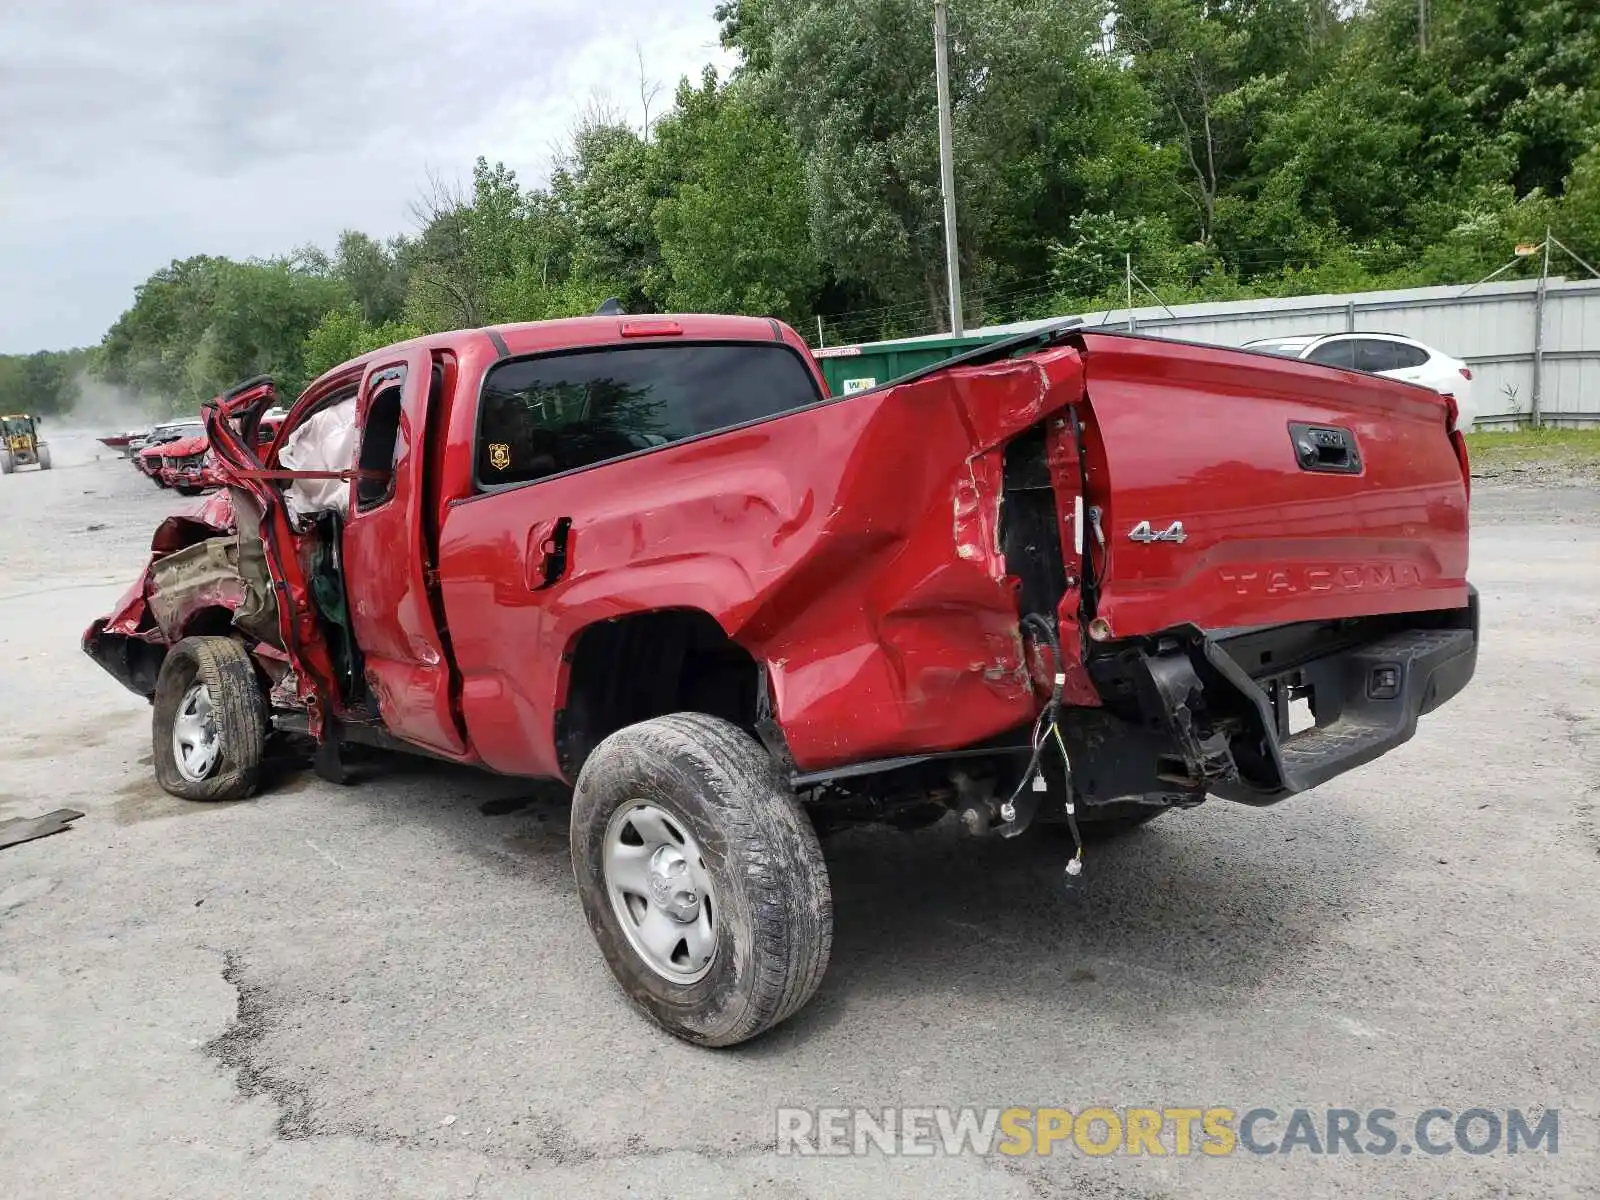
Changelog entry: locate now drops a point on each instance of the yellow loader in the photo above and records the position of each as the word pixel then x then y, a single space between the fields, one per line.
pixel 20 445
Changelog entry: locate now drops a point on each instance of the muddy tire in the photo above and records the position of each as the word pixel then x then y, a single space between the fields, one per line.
pixel 44 457
pixel 210 721
pixel 701 878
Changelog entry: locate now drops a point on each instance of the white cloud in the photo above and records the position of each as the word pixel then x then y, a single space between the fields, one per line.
pixel 133 134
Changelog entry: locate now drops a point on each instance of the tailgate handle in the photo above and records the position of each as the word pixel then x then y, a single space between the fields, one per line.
pixel 1329 449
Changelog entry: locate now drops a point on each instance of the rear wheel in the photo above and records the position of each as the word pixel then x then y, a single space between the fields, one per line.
pixel 210 721
pixel 701 878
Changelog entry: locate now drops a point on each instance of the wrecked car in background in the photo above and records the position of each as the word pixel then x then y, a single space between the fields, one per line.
pixel 188 466
pixel 147 453
pixel 1066 582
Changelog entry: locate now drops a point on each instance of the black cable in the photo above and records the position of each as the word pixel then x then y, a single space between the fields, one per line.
pixel 1047 722
pixel 1058 680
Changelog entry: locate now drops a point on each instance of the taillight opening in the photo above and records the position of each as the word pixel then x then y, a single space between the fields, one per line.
pixel 1457 441
pixel 1466 373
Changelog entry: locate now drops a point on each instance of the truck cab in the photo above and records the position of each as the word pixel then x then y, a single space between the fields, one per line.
pixel 1058 585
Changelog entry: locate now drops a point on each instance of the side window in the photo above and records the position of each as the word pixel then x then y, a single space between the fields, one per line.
pixel 1376 354
pixel 1406 355
pixel 562 412
pixel 379 442
pixel 1339 352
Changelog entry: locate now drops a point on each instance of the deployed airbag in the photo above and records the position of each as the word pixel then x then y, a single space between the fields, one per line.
pixel 325 441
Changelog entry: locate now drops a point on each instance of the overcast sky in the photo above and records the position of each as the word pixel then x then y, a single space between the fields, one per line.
pixel 133 132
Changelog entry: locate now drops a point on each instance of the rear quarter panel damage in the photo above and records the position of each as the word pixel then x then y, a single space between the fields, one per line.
pixel 852 547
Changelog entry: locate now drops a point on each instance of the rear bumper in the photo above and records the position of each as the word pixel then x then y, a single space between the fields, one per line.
pixel 1189 714
pixel 1367 700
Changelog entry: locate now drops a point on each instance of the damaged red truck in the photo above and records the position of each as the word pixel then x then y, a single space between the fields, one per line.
pixel 1066 582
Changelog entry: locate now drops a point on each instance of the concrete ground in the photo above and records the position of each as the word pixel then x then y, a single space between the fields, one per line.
pixel 389 990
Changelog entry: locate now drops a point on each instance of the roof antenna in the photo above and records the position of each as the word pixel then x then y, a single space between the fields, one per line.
pixel 611 308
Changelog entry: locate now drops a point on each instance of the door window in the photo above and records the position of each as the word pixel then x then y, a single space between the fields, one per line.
pixel 380 441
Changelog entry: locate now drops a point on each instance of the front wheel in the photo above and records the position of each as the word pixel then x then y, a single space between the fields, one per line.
pixel 210 721
pixel 701 878
pixel 7 464
pixel 44 458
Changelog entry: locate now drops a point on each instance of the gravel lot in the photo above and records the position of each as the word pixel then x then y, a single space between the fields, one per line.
pixel 389 990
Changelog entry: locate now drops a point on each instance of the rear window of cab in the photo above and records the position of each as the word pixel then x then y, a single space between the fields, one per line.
pixel 554 413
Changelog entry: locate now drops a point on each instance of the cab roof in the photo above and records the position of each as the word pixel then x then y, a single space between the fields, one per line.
pixel 571 333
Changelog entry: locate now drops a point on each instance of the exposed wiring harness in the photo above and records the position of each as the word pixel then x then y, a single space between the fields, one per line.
pixel 1045 728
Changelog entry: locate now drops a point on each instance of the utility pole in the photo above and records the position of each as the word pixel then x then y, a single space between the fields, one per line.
pixel 947 166
pixel 1127 275
pixel 1535 400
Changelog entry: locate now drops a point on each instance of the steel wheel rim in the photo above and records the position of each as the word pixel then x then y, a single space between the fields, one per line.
pixel 660 891
pixel 196 743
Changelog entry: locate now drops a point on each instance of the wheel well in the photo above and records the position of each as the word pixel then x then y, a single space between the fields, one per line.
pixel 209 622
pixel 648 665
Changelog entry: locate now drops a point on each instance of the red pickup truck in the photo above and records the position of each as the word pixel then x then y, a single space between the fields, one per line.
pixel 1066 582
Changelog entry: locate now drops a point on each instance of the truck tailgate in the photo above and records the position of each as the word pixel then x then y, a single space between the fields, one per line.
pixel 1238 490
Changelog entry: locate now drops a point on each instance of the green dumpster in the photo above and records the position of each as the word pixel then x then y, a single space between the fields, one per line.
pixel 856 368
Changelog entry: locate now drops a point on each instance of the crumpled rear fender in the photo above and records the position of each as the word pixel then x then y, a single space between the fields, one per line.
pixel 852 547
pixel 897 631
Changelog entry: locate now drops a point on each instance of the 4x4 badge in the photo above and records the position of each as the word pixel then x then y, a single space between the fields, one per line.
pixel 1142 532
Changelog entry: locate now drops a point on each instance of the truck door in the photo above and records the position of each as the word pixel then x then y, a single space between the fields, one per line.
pixel 388 565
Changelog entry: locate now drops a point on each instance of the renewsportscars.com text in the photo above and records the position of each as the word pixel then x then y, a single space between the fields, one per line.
pixel 1216 1132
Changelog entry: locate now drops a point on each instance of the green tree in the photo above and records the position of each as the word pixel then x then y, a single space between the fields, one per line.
pixel 607 193
pixel 1192 63
pixel 374 272
pixel 44 383
pixel 735 234
pixel 343 334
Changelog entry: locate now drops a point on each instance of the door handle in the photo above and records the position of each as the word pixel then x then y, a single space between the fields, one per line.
pixel 548 552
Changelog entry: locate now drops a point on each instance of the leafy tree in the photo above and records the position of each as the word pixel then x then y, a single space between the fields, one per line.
pixel 466 244
pixel 374 272
pixel 343 334
pixel 607 193
pixel 735 235
pixel 44 383
pixel 1231 147
pixel 1193 65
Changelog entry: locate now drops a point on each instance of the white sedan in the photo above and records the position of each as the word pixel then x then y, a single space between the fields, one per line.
pixel 1384 354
